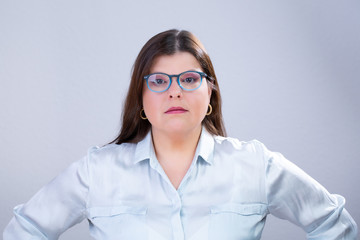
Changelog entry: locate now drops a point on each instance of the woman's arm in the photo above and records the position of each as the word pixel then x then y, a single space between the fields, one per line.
pixel 295 196
pixel 55 208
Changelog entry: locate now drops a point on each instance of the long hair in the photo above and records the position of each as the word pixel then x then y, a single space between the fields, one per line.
pixel 134 129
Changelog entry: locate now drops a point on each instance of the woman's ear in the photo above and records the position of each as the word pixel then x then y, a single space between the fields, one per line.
pixel 209 90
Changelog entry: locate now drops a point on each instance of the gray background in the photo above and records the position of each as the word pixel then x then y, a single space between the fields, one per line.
pixel 289 72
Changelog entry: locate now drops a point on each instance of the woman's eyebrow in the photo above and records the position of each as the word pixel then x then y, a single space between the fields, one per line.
pixel 191 69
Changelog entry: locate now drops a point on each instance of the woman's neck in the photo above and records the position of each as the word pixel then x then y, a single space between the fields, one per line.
pixel 175 152
pixel 170 143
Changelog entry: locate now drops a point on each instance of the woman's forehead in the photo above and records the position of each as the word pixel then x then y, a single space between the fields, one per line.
pixel 175 63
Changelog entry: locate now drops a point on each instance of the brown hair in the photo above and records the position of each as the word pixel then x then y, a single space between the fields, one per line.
pixel 134 129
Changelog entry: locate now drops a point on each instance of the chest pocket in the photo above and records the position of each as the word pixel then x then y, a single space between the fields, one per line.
pixel 237 221
pixel 118 222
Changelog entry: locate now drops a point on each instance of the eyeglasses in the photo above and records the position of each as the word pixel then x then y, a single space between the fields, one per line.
pixel 188 81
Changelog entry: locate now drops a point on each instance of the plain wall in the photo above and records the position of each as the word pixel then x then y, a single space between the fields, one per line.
pixel 289 74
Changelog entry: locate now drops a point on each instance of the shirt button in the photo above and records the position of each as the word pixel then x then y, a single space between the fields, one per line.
pixel 181 212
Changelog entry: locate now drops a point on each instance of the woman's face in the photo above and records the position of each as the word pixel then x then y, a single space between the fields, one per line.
pixel 176 110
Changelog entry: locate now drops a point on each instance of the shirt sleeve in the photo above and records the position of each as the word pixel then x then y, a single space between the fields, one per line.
pixel 55 208
pixel 295 196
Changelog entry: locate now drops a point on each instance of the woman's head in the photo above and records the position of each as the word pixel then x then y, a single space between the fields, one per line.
pixel 167 43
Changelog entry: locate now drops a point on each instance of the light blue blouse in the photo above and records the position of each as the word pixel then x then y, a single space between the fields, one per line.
pixel 227 193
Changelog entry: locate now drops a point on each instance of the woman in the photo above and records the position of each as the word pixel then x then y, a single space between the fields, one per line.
pixel 172 174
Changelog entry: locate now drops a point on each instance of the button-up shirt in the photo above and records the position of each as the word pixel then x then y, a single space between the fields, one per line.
pixel 227 192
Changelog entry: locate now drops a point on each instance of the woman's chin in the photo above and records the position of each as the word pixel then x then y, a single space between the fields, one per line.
pixel 178 128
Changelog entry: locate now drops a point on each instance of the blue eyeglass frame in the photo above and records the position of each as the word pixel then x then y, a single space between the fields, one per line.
pixel 177 80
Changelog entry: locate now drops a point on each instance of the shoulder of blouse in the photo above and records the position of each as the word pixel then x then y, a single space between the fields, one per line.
pixel 253 145
pixel 110 152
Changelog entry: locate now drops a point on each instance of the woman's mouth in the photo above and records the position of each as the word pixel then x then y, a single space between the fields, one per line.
pixel 176 110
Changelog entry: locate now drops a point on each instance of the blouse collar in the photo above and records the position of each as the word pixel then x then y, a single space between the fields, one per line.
pixel 204 150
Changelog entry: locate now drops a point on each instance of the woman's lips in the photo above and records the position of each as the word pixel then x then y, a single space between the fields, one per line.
pixel 175 110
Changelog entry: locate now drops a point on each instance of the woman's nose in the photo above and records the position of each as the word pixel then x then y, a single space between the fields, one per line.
pixel 175 90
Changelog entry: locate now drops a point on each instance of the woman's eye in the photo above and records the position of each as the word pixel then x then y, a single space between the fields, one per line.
pixel 159 81
pixel 189 80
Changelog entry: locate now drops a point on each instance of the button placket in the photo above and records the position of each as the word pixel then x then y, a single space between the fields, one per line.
pixel 178 230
